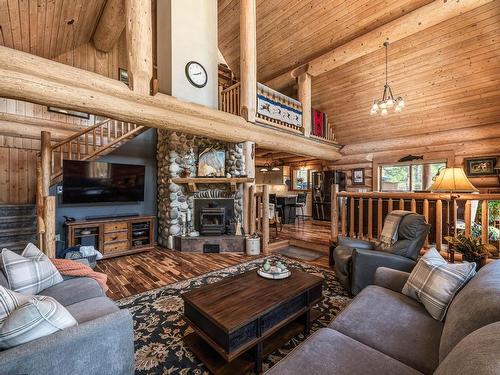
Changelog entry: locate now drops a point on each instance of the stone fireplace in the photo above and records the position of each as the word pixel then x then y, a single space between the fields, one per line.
pixel 179 209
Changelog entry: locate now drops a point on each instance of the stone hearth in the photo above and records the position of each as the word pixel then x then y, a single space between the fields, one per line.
pixel 177 155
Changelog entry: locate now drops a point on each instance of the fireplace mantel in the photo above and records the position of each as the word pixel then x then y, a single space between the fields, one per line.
pixel 193 181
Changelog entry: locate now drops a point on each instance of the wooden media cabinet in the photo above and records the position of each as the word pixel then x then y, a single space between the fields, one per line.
pixel 114 236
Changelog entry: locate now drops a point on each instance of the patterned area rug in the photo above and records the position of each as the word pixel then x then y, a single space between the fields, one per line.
pixel 159 326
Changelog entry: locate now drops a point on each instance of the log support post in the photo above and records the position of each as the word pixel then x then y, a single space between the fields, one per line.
pixel 248 59
pixel 335 213
pixel 248 197
pixel 49 213
pixel 304 81
pixel 265 220
pixel 139 45
pixel 45 214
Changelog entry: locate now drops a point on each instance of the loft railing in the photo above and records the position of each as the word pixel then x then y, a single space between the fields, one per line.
pixel 362 215
pixel 276 109
pixel 229 99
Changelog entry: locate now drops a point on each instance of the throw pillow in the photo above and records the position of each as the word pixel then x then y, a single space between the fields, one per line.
pixel 9 301
pixel 39 316
pixel 434 282
pixel 29 273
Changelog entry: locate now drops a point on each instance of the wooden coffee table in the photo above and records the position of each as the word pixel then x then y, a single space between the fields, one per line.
pixel 240 319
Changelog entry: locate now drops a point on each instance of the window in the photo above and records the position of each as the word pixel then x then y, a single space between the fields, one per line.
pixel 408 177
pixel 302 179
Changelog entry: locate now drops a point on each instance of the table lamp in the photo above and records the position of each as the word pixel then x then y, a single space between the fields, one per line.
pixel 451 180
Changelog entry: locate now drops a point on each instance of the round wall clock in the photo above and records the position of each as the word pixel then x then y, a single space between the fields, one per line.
pixel 196 74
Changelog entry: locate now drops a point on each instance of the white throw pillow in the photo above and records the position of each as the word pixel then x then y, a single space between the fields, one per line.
pixel 29 273
pixel 434 282
pixel 37 317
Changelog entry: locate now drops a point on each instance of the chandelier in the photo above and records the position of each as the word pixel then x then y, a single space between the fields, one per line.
pixel 387 102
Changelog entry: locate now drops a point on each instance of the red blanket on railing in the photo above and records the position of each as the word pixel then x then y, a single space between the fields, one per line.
pixel 68 267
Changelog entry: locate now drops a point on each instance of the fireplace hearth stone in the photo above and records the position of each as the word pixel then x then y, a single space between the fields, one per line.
pixel 226 243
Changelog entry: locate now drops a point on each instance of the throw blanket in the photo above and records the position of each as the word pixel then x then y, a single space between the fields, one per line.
pixel 390 231
pixel 68 267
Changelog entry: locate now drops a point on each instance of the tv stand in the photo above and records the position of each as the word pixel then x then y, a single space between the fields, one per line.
pixel 114 236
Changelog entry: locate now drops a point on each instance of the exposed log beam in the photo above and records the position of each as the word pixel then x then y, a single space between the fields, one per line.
pixel 409 24
pixel 473 133
pixel 139 44
pixel 110 26
pixel 32 78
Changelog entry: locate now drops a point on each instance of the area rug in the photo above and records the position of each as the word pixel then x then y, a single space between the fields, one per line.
pixel 159 326
pixel 299 253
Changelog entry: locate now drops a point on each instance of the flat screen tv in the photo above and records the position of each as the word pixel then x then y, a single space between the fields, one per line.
pixel 96 182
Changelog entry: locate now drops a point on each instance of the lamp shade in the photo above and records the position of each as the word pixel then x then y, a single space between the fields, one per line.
pixel 451 180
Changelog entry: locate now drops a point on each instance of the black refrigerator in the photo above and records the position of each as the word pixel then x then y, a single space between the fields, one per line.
pixel 322 183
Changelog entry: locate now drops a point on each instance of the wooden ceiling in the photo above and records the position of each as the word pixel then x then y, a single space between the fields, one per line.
pixel 449 74
pixel 293 32
pixel 41 27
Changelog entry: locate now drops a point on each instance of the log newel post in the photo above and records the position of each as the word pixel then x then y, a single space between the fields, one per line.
pixel 49 213
pixel 335 213
pixel 304 81
pixel 139 45
pixel 248 59
pixel 265 220
pixel 252 214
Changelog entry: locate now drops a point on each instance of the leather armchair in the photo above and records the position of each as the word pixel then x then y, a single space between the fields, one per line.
pixel 356 260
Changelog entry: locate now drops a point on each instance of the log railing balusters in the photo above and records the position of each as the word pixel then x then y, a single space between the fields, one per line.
pixel 426 216
pixel 380 222
pixel 344 216
pixel 439 224
pixel 370 218
pixel 351 217
pixel 360 218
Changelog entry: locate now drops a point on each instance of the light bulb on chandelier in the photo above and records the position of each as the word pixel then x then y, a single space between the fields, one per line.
pixel 387 101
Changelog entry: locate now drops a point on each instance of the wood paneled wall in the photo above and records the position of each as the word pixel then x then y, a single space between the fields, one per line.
pixel 18 151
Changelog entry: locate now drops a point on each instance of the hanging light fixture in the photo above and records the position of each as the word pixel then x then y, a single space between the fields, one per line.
pixel 387 102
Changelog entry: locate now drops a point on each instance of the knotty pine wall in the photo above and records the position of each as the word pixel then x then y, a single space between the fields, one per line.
pixel 19 148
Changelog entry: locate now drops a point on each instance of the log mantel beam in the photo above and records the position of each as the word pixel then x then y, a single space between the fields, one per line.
pixel 38 80
pixel 420 19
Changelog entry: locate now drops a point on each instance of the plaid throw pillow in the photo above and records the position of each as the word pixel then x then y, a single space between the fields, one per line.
pixel 29 273
pixel 434 282
pixel 39 316
pixel 9 301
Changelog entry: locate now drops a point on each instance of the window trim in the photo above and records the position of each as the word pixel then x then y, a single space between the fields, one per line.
pixel 410 175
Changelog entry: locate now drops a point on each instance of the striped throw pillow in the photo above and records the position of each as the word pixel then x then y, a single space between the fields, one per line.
pixel 29 273
pixel 434 282
pixel 37 317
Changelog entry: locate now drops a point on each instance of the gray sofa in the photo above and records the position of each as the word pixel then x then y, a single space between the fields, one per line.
pixel 385 332
pixel 101 344
pixel 356 260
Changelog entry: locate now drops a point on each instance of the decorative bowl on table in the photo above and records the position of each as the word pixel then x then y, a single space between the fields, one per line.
pixel 273 272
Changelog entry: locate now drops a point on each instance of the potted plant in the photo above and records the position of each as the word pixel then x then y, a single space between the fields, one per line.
pixel 471 248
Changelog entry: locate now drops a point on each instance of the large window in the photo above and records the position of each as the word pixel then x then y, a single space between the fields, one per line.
pixel 408 177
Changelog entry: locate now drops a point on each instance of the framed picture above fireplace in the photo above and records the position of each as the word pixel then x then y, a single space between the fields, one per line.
pixel 212 161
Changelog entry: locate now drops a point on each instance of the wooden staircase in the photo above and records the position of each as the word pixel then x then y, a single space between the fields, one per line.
pixel 95 141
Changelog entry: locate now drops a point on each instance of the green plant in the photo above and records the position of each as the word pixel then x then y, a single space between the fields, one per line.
pixel 471 248
pixel 493 211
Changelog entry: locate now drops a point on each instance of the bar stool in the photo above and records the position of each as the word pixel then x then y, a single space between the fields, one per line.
pixel 300 204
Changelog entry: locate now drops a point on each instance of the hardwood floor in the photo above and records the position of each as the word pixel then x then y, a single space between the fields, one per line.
pixel 315 232
pixel 133 274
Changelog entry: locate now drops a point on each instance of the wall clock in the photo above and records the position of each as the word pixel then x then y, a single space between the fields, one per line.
pixel 196 74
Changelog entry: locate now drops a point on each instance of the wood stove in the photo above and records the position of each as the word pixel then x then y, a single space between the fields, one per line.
pixel 212 221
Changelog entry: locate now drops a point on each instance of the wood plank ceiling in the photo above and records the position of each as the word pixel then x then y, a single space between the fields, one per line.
pixel 448 74
pixel 41 27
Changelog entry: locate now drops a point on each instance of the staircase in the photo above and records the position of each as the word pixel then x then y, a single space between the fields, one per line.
pixel 95 141
pixel 17 226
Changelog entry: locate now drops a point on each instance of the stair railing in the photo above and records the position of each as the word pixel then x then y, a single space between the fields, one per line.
pixel 90 142
pixel 229 99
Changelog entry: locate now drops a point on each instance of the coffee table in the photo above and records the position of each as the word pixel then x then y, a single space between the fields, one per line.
pixel 240 319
